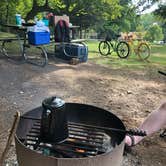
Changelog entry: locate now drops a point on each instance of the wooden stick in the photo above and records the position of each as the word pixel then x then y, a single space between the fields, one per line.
pixel 10 138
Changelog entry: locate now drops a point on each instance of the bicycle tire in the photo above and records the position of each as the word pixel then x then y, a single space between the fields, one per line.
pixel 143 51
pixel 123 49
pixel 11 49
pixel 36 55
pixel 104 48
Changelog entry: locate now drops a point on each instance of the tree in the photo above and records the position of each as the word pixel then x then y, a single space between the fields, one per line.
pixel 146 20
pixel 125 19
pixel 38 6
pixel 142 5
pixel 154 33
pixel 83 13
pixel 118 15
pixel 161 12
pixel 7 9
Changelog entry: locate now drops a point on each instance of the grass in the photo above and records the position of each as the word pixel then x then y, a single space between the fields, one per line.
pixel 157 58
pixel 4 35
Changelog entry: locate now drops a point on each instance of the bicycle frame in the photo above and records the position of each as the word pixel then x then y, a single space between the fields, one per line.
pixel 113 44
pixel 142 48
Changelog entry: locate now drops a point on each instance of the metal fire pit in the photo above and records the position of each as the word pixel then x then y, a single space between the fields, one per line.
pixel 82 120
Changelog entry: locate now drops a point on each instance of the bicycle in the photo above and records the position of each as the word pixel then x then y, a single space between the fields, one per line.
pixel 108 46
pixel 142 48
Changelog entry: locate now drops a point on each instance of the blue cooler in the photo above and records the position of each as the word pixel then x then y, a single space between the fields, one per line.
pixel 38 38
pixel 75 50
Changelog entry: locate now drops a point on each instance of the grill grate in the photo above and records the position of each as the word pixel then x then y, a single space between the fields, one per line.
pixel 83 141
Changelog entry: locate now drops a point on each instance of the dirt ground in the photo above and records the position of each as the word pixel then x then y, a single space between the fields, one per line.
pixel 130 94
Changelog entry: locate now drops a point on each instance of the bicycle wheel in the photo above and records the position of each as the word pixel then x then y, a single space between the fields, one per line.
pixel 104 48
pixel 36 55
pixel 12 49
pixel 123 49
pixel 143 51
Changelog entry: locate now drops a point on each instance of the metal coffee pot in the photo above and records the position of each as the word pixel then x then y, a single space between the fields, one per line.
pixel 54 126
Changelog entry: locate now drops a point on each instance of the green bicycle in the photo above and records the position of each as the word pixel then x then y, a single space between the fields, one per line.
pixel 108 46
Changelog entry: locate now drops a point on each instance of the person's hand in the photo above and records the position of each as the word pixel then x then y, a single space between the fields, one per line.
pixel 130 140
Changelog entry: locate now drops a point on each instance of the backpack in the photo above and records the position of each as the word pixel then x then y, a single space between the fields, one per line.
pixel 61 32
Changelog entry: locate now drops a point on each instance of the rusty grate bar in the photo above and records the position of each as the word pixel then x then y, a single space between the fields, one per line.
pixel 90 132
pixel 85 139
pixel 78 126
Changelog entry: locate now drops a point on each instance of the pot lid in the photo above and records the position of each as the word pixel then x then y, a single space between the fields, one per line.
pixel 53 102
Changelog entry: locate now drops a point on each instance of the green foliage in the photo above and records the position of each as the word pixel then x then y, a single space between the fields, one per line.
pixel 161 11
pixel 154 33
pixel 140 31
pixel 126 26
pixel 140 28
pixel 125 19
pixel 23 7
pixel 128 20
pixel 116 15
pixel 147 20
pixel 7 9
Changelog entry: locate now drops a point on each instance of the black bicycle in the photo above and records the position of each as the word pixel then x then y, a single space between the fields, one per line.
pixel 108 46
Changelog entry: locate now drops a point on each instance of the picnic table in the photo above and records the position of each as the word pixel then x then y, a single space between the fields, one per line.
pixel 21 38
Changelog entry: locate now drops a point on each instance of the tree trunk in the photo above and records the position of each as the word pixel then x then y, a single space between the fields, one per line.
pixel 80 31
pixel 36 9
pixel 85 34
pixel 7 15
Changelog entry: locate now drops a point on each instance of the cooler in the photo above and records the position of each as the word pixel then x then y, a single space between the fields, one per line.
pixel 38 38
pixel 74 50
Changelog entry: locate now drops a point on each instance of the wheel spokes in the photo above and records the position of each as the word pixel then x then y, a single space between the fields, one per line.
pixel 122 50
pixel 143 51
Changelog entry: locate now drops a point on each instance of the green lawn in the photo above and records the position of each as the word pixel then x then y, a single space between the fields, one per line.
pixel 157 58
pixel 4 35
